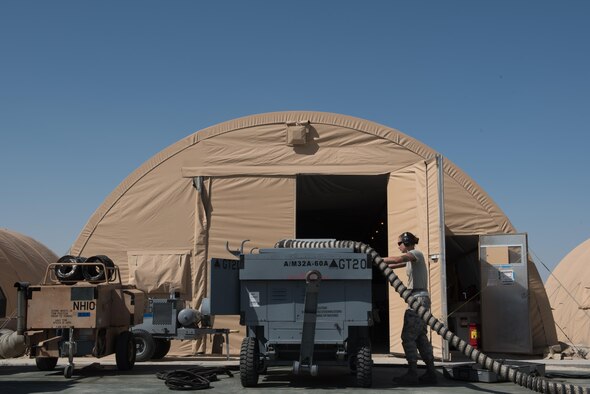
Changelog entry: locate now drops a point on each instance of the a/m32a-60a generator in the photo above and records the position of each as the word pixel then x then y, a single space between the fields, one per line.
pixel 305 308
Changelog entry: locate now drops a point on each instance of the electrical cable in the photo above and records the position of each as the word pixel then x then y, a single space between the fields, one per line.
pixel 5 320
pixel 463 304
pixel 561 285
pixel 198 378
pixel 579 351
pixel 529 381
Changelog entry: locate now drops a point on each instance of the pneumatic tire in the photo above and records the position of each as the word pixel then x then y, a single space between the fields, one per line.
pixel 95 273
pixel 46 363
pixel 249 362
pixel 71 273
pixel 162 348
pixel 364 367
pixel 144 345
pixel 125 351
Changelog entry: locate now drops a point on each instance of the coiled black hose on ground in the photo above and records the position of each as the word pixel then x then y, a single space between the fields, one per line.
pixel 535 383
pixel 198 378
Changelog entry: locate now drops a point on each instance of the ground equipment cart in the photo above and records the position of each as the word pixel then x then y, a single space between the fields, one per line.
pixel 80 308
pixel 302 307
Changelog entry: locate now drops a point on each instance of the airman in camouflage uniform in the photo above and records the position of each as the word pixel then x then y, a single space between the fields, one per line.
pixel 414 335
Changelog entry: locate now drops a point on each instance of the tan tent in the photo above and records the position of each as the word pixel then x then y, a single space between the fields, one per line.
pixel 568 289
pixel 305 175
pixel 21 259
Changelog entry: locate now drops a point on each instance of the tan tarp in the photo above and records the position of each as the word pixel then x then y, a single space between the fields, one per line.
pixel 22 259
pixel 568 289
pixel 263 205
pixel 160 272
pixel 245 170
pixel 412 198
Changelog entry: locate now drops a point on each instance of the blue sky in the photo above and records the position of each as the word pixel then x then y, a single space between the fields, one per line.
pixel 89 90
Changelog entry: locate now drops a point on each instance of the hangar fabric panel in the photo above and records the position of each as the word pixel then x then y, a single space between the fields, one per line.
pixel 306 175
pixel 568 289
pixel 21 259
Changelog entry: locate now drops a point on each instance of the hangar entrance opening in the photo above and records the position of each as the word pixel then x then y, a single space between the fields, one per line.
pixel 463 286
pixel 349 207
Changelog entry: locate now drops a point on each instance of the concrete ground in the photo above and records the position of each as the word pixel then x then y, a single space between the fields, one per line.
pixel 101 376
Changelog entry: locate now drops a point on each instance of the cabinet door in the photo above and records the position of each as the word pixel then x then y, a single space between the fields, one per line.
pixel 505 323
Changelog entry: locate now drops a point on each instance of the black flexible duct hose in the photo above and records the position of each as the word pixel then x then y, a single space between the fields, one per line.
pixel 534 383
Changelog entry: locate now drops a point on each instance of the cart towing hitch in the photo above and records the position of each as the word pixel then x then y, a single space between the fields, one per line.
pixel 312 289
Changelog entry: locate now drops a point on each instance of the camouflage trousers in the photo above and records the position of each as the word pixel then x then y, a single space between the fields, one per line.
pixel 414 334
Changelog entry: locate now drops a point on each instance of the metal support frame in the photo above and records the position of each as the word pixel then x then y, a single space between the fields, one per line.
pixel 312 289
pixel 443 251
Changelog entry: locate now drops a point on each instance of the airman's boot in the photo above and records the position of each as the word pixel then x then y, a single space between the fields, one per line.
pixel 429 377
pixel 410 378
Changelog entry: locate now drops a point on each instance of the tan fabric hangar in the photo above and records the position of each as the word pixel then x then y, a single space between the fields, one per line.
pixel 568 289
pixel 21 259
pixel 318 175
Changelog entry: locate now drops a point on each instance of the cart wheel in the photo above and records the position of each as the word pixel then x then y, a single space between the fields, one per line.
pixel 46 363
pixel 296 367
pixel 68 371
pixel 364 367
pixel 161 349
pixel 125 351
pixel 144 345
pixel 313 370
pixel 249 362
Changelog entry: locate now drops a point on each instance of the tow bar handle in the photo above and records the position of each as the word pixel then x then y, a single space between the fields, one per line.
pixel 312 289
